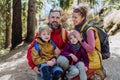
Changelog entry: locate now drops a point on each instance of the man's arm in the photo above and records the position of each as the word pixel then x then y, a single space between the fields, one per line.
pixel 29 57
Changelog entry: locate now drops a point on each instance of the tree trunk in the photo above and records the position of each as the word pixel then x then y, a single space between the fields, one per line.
pixel 16 24
pixel 31 20
pixel 8 24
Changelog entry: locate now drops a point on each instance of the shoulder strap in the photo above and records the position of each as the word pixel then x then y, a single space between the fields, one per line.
pixel 37 47
pixel 53 43
pixel 63 34
pixel 84 32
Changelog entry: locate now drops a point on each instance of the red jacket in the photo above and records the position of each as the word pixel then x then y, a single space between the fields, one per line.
pixel 55 36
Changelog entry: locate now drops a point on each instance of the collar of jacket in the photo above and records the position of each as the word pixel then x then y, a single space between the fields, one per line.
pixel 57 31
pixel 79 26
pixel 41 41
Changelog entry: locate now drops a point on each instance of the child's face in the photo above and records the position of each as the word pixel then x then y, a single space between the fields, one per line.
pixel 73 39
pixel 45 35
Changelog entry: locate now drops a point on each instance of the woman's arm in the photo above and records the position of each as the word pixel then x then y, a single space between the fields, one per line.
pixel 90 44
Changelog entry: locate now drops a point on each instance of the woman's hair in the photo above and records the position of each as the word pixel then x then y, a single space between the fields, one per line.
pixel 44 28
pixel 83 10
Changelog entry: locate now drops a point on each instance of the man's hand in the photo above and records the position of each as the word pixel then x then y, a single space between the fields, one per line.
pixel 36 70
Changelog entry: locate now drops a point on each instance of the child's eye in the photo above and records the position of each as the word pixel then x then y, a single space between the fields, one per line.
pixel 70 38
pixel 48 33
pixel 43 34
pixel 52 17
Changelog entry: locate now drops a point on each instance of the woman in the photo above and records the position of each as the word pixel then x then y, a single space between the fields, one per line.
pixel 92 40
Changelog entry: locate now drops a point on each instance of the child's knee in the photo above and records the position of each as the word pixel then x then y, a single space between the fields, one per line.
pixel 75 71
pixel 56 68
pixel 80 65
pixel 63 62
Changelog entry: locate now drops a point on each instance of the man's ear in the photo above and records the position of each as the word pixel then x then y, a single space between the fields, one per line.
pixel 48 18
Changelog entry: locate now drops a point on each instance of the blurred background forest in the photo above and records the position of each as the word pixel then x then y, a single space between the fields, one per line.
pixel 20 19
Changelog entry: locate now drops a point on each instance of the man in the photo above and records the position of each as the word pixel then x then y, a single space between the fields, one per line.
pixel 58 35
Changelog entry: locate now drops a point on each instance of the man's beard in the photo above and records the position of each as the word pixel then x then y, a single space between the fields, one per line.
pixel 55 25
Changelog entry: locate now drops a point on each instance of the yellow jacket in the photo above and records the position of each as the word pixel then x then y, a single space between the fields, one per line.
pixel 46 52
pixel 95 57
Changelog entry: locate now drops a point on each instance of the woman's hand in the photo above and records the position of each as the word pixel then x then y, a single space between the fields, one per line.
pixel 77 35
pixel 75 59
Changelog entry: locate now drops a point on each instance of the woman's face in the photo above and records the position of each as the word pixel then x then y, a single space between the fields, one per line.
pixel 77 18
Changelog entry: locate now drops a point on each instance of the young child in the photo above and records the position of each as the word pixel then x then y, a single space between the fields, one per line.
pixel 77 57
pixel 43 55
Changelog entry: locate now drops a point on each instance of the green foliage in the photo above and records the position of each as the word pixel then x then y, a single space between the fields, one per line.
pixel 24 18
pixel 24 8
pixel 65 4
pixel 2 52
pixel 39 5
pixel 93 2
pixel 116 6
pixel 4 11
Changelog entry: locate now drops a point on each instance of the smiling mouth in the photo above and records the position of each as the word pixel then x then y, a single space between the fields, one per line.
pixel 46 38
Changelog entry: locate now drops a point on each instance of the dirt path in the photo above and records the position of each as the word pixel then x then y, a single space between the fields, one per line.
pixel 14 66
pixel 112 65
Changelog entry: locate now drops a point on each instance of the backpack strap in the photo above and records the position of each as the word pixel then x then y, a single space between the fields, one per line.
pixel 53 43
pixel 37 47
pixel 84 32
pixel 63 34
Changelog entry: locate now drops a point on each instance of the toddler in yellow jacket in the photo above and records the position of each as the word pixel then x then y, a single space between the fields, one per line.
pixel 43 55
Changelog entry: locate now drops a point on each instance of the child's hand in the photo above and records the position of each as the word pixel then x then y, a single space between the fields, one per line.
pixel 75 59
pixel 52 62
pixel 86 68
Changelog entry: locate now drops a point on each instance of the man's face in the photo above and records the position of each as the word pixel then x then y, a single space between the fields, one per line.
pixel 54 19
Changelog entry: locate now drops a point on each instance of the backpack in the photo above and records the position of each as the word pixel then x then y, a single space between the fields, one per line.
pixel 104 41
